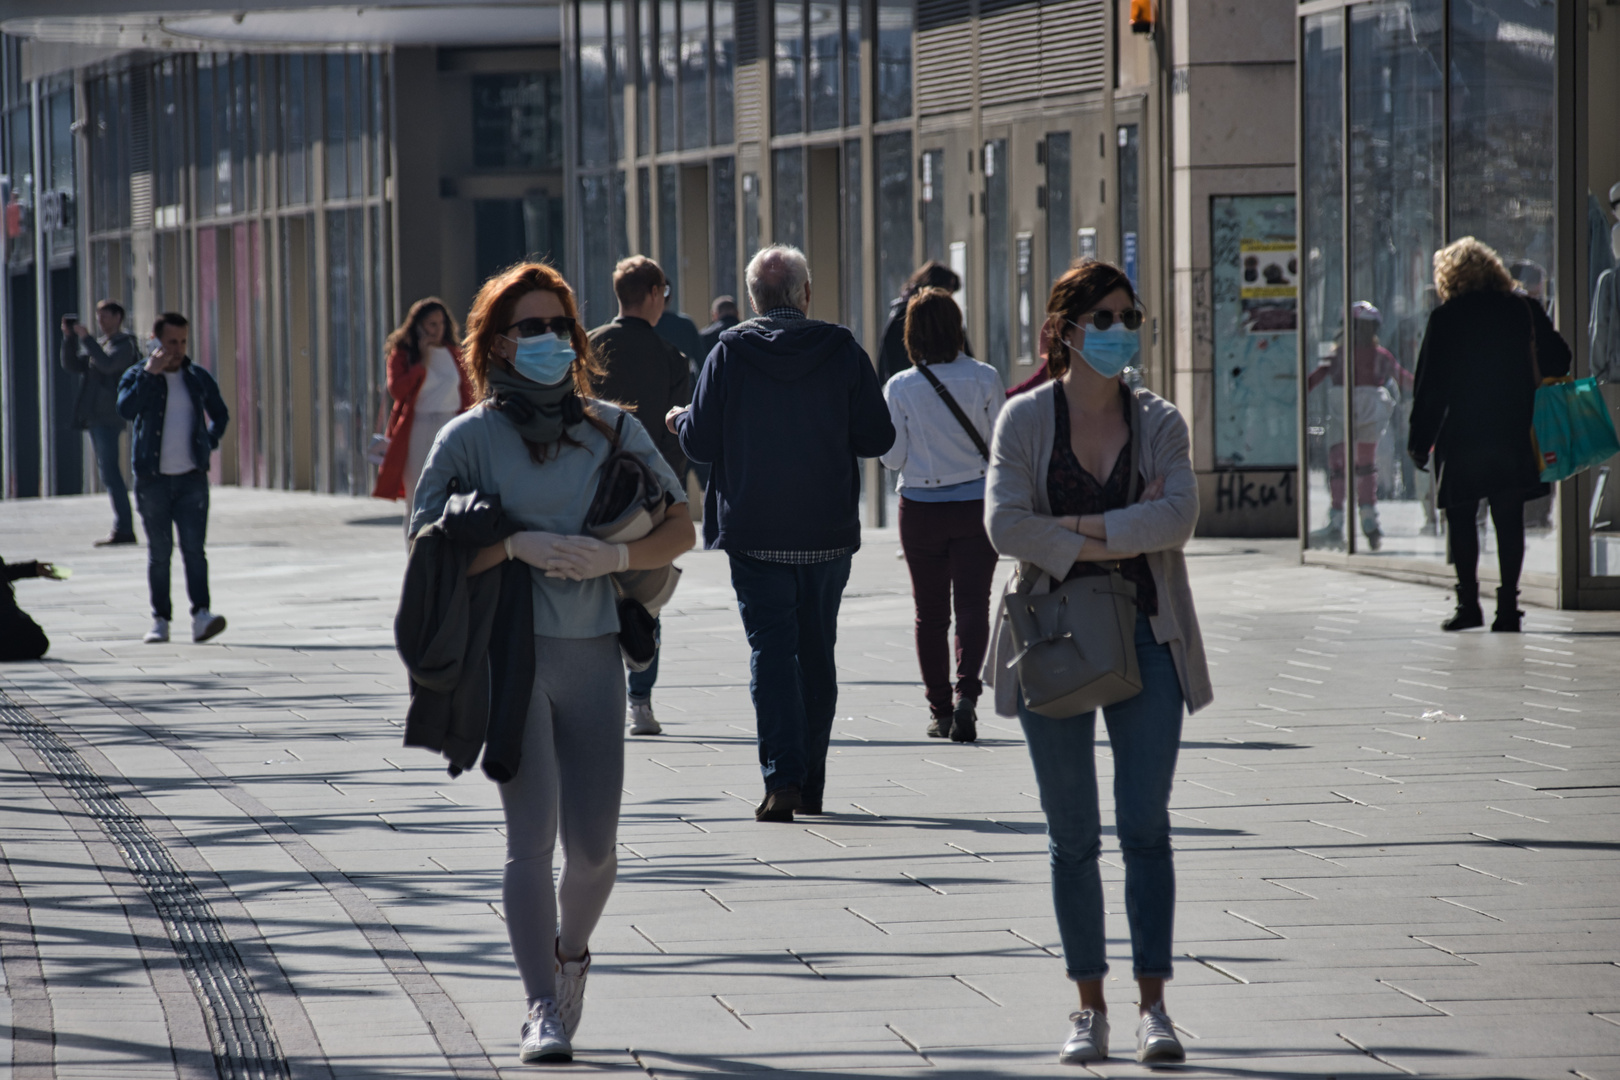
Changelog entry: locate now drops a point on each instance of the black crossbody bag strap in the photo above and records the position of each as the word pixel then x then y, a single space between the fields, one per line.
pixel 956 411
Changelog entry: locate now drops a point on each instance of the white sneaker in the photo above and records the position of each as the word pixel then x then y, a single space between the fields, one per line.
pixel 159 632
pixel 571 991
pixel 543 1035
pixel 205 624
pixel 1089 1040
pixel 1156 1038
pixel 642 721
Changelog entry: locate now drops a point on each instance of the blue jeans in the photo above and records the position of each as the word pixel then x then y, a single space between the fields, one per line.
pixel 169 505
pixel 104 440
pixel 641 683
pixel 790 614
pixel 1145 734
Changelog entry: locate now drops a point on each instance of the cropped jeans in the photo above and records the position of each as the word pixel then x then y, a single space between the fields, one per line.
pixel 1145 734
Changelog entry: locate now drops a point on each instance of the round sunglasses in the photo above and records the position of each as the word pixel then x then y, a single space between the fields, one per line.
pixel 1102 320
pixel 561 325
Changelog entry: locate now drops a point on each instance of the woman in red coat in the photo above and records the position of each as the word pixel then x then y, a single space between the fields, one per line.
pixel 428 387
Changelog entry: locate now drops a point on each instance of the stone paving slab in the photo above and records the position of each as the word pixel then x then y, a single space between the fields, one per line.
pixel 1365 890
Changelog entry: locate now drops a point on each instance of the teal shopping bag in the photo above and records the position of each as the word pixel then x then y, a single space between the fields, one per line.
pixel 1572 428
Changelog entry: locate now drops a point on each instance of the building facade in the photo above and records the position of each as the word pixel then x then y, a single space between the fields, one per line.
pixel 1420 122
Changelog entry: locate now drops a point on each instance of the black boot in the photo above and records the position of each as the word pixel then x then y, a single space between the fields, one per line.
pixel 1507 612
pixel 965 721
pixel 1467 616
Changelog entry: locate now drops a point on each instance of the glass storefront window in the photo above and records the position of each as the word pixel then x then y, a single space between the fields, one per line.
pixel 517 121
pixel 893 77
pixel 724 218
pixel 1130 201
pixel 787 196
pixel 852 62
pixel 722 71
pixel 297 130
pixel 644 242
pixel 669 230
pixel 750 217
pixel 646 64
pixel 1598 490
pixel 596 251
pixel 19 169
pixel 825 71
pixel 1254 310
pixel 893 169
pixel 997 287
pixel 109 165
pixel 694 72
pixel 618 69
pixel 788 65
pixel 1322 241
pixel 669 60
pixel 593 83
pixel 1397 173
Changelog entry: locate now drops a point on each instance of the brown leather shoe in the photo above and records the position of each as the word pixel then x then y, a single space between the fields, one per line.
pixel 779 805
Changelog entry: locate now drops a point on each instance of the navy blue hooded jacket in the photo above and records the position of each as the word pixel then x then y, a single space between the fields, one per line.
pixel 144 398
pixel 782 410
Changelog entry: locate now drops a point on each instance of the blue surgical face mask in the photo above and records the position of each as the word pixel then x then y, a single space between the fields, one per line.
pixel 1107 352
pixel 544 358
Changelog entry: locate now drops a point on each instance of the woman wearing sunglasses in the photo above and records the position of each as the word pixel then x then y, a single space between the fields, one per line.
pixel 538 441
pixel 1058 501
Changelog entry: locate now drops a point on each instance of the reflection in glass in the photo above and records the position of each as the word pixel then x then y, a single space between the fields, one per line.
pixel 644 244
pixel 593 84
pixel 724 217
pixel 1322 241
pixel 893 76
pixel 787 196
pixel 694 64
pixel 669 230
pixel 618 72
pixel 825 70
pixel 750 238
pixel 722 68
pixel 646 64
pixel 895 214
pixel 852 62
pixel 788 62
pixel 596 252
pixel 1599 488
pixel 668 62
pixel 1397 169
pixel 517 121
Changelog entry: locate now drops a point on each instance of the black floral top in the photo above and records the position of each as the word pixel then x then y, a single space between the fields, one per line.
pixel 1072 490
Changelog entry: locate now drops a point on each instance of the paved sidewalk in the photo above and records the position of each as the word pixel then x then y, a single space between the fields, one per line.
pixel 224 849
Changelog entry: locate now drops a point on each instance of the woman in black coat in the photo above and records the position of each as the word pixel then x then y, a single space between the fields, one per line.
pixel 1473 406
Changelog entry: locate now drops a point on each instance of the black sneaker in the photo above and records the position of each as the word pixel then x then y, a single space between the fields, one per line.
pixel 939 727
pixel 965 724
pixel 779 805
pixel 115 538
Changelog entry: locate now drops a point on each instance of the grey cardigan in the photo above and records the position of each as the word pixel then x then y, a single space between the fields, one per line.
pixel 1019 520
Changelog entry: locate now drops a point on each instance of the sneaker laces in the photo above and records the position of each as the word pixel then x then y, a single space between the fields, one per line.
pixel 1156 1025
pixel 1082 1020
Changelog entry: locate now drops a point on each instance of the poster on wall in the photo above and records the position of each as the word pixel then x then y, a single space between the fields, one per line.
pixel 1255 314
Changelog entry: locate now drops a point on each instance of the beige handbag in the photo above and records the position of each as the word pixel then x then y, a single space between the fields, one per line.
pixel 1074 648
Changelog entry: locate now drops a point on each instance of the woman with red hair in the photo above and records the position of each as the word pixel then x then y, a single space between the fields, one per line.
pixel 538 440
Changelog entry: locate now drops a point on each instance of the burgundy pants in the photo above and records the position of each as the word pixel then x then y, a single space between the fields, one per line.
pixel 948 552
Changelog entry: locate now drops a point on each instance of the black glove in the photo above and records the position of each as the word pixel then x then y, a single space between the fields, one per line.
pixel 1420 458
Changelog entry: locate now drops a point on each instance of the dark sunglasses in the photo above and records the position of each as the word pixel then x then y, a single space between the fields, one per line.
pixel 1102 320
pixel 561 325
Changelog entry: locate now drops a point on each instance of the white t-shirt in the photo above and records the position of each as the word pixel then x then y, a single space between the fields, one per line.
pixel 441 388
pixel 178 420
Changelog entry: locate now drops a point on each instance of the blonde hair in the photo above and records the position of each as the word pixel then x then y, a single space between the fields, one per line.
pixel 1466 266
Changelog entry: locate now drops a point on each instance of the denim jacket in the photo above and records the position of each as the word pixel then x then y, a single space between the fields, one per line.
pixel 144 398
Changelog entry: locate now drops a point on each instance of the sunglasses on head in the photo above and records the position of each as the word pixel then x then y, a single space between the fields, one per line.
pixel 561 325
pixel 1102 320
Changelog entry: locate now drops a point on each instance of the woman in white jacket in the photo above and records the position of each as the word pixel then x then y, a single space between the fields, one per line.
pixel 942 454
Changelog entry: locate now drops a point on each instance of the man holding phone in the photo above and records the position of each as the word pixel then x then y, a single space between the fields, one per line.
pixel 179 419
pixel 99 362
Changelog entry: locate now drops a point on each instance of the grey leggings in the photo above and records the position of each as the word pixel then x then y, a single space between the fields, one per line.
pixel 572 775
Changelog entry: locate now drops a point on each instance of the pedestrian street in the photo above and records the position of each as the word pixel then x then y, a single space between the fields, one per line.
pixel 1397 850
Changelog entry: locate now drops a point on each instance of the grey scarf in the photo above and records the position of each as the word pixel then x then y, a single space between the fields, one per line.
pixel 540 413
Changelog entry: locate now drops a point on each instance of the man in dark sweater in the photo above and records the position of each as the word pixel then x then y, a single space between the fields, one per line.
pixel 651 376
pixel 783 410
pixel 723 316
pixel 99 362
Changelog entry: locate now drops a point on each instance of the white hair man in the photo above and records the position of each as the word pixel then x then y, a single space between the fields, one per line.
pixel 783 409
